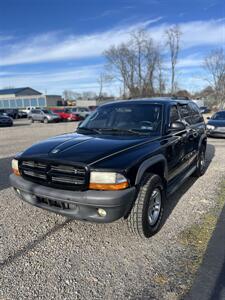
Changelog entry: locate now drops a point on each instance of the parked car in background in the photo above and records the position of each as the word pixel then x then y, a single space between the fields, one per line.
pixel 204 110
pixel 5 120
pixel 216 124
pixel 83 112
pixel 65 114
pixel 43 115
pixel 11 112
pixel 22 114
pixel 28 109
pixel 121 163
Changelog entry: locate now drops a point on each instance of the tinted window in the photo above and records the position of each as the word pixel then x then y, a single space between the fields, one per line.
pixel 141 117
pixel 174 115
pixel 47 111
pixel 185 113
pixel 35 111
pixel 196 115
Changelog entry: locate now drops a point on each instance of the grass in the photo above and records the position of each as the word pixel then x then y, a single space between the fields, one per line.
pixel 198 235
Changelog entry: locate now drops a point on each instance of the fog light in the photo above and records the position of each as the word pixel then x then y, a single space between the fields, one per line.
pixel 101 212
pixel 18 191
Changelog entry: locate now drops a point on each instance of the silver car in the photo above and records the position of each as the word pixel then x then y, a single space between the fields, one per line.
pixel 43 115
pixel 83 112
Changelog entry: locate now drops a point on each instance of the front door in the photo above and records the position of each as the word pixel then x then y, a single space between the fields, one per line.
pixel 176 146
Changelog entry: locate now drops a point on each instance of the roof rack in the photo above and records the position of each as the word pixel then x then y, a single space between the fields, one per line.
pixel 180 98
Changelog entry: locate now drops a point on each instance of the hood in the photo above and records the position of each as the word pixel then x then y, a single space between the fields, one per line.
pixel 5 118
pixel 216 123
pixel 82 148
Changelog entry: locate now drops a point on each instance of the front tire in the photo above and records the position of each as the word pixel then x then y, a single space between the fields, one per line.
pixel 45 121
pixel 145 218
pixel 201 162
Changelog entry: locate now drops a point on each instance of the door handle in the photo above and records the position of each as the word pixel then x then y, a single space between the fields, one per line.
pixel 193 133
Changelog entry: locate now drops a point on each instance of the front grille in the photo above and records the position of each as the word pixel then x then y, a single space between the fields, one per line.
pixel 55 175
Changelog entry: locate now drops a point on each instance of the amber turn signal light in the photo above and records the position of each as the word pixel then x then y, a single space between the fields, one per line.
pixel 108 187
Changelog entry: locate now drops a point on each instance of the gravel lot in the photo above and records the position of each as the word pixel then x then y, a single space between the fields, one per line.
pixel 45 256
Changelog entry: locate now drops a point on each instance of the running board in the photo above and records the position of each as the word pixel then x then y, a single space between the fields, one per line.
pixel 178 182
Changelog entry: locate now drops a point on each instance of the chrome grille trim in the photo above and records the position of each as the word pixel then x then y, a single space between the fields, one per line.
pixel 55 175
pixel 35 174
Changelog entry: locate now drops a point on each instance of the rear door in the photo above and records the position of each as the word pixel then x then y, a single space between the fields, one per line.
pixel 197 125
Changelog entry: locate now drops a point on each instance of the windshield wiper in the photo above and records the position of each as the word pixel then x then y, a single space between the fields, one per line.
pixel 131 131
pixel 95 130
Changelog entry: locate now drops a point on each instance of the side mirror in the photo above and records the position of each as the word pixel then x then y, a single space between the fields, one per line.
pixel 177 126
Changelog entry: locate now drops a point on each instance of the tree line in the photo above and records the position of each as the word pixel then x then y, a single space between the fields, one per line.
pixel 141 67
pixel 146 68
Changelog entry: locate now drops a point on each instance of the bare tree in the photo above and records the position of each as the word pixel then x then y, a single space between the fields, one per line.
pixel 134 63
pixel 173 35
pixel 215 65
pixel 70 95
pixel 103 79
pixel 160 78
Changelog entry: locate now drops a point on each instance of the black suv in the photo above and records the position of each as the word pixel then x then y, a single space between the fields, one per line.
pixel 123 161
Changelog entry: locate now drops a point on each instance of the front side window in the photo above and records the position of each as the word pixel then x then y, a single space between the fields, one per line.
pixel 174 115
pixel 141 118
pixel 185 113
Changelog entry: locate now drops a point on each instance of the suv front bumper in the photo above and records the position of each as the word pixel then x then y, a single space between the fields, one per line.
pixel 75 204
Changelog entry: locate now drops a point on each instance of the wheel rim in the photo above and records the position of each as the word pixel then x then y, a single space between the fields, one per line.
pixel 202 160
pixel 154 206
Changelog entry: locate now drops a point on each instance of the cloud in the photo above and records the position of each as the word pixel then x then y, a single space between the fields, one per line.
pixel 55 81
pixel 54 47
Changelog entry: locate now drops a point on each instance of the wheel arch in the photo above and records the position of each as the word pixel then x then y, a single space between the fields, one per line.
pixel 156 164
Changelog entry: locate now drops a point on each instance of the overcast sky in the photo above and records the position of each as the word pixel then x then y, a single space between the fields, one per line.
pixel 52 45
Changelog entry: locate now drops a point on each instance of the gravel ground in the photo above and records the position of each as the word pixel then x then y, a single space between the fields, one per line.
pixel 46 256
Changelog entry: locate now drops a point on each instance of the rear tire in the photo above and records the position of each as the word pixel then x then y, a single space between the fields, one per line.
pixel 201 163
pixel 145 218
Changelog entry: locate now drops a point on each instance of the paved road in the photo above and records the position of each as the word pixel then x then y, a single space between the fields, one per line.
pixel 45 256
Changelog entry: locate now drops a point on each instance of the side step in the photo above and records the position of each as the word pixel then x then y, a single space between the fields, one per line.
pixel 179 181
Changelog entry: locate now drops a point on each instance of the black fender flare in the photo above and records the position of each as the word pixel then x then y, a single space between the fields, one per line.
pixel 150 162
pixel 203 137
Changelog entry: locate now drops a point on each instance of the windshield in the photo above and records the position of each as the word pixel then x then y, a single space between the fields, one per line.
pixel 219 116
pixel 47 111
pixel 141 118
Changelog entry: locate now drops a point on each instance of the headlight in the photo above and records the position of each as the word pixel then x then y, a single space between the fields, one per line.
pixel 210 127
pixel 15 167
pixel 110 181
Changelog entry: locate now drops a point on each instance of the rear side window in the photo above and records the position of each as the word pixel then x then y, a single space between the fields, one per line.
pixel 36 111
pixel 196 115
